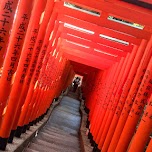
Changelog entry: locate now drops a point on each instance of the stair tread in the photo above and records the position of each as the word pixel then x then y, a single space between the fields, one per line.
pixel 60 135
pixel 66 129
pixel 40 148
pixel 56 136
pixel 56 146
pixel 56 139
pixel 30 150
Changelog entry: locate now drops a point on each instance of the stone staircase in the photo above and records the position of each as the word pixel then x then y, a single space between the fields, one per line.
pixel 61 133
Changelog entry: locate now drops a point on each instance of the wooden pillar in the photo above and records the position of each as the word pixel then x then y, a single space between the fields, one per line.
pixel 22 69
pixel 111 101
pixel 124 94
pixel 100 103
pixel 36 51
pixel 7 14
pixel 117 96
pixel 131 96
pixel 136 110
pixel 149 148
pixel 142 135
pixel 11 60
pixel 106 102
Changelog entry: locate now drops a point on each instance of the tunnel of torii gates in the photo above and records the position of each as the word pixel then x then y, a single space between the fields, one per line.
pixel 44 43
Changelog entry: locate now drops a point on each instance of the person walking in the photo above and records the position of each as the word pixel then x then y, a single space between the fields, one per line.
pixel 76 82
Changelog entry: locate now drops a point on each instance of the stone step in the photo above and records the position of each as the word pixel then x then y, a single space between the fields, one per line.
pixel 65 108
pixel 54 146
pixel 64 122
pixel 30 150
pixel 66 129
pixel 41 148
pixel 56 130
pixel 69 137
pixel 67 140
pixel 61 133
pixel 71 100
pixel 74 107
pixel 59 141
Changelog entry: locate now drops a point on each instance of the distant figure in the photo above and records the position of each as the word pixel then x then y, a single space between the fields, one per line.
pixel 76 82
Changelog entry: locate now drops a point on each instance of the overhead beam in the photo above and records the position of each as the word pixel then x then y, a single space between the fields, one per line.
pixel 74 48
pixel 94 45
pixel 98 30
pixel 89 57
pixel 82 66
pixel 87 62
pixel 81 70
pixel 131 13
pixel 95 38
pixel 102 21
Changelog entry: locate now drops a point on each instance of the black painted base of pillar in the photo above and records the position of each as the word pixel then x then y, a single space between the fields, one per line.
pixel 83 98
pixel 31 123
pixel 89 135
pixel 87 123
pixel 56 99
pixel 35 121
pixel 86 110
pixel 92 142
pixel 3 143
pixel 91 139
pixel 11 137
pixel 19 131
pixel 28 127
pixel 41 117
pixel 38 119
pixel 24 128
pixel 95 148
pixel 47 111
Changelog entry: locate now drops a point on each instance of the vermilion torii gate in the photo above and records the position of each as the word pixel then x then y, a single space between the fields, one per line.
pixel 44 43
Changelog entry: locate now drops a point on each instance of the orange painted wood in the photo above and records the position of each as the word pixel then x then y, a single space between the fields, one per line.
pixel 111 101
pixel 14 50
pixel 149 148
pixel 22 68
pixel 37 48
pixel 131 95
pixel 141 137
pixel 7 12
pixel 124 94
pixel 117 97
pixel 135 113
